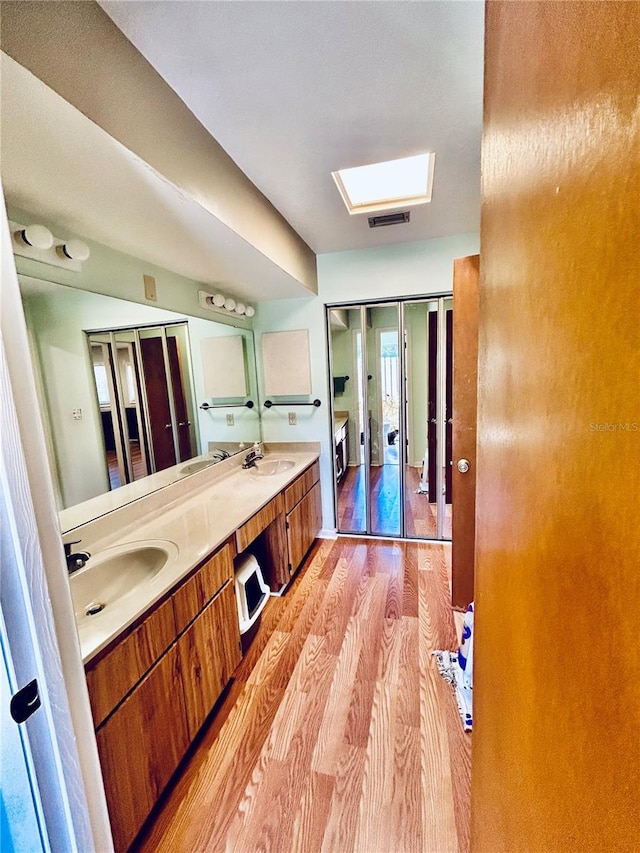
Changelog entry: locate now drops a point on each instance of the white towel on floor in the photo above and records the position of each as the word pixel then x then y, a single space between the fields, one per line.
pixel 449 669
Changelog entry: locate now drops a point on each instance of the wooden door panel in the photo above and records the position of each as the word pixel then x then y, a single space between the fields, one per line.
pixel 179 400
pixel 555 754
pixel 157 394
pixel 303 524
pixel 466 272
pixel 141 745
pixel 209 653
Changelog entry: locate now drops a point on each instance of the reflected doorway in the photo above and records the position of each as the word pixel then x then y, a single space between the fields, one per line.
pixel 143 389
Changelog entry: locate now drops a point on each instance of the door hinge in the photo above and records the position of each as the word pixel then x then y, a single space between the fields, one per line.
pixel 25 702
pixel 286 525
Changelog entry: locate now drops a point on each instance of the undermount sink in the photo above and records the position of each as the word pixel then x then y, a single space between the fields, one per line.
pixel 269 467
pixel 192 467
pixel 115 573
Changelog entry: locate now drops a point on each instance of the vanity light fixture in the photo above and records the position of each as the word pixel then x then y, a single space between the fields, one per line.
pixel 224 304
pixel 35 236
pixel 37 243
pixel 74 250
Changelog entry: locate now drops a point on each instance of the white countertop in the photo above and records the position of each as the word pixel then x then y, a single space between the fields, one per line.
pixel 196 521
pixel 340 419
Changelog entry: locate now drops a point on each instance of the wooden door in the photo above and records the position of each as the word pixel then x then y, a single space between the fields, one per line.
pixel 466 273
pixel 157 398
pixel 185 446
pixel 556 761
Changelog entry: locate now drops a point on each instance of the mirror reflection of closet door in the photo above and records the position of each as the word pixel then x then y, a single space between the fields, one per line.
pixel 178 353
pixel 160 411
pixel 145 398
pixel 103 364
pixel 397 404
pixel 345 329
pixel 383 429
pixel 429 418
pixel 132 407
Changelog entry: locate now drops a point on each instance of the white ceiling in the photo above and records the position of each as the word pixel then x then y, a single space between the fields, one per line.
pixel 60 165
pixel 295 90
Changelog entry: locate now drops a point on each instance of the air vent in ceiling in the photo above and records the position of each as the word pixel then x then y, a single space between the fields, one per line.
pixel 389 219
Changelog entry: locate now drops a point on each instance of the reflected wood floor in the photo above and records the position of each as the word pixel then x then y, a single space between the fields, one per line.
pixel 420 515
pixel 337 733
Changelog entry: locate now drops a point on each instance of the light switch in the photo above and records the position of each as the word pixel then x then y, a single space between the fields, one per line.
pixel 293 419
pixel 230 420
pixel 150 288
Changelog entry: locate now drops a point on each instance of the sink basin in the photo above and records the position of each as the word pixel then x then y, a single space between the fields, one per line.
pixel 192 467
pixel 116 573
pixel 269 467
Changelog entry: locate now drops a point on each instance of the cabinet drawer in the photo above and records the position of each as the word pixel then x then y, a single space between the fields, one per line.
pixel 209 653
pixel 257 523
pixel 114 675
pixel 141 745
pixel 295 492
pixel 192 596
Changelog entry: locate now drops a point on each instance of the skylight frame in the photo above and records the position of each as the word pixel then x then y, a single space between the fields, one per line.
pixel 376 204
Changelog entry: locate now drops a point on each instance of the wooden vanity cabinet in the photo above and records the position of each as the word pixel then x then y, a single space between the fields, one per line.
pixel 140 746
pixel 303 503
pixel 209 653
pixel 264 535
pixel 152 691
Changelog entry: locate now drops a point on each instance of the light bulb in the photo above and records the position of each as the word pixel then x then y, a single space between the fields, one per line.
pixel 240 307
pixel 218 300
pixel 250 311
pixel 229 303
pixel 37 236
pixel 75 250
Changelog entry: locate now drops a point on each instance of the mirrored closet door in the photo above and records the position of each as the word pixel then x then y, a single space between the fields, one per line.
pixel 391 373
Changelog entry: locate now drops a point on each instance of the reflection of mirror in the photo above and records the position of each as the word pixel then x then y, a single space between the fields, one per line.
pixel 77 411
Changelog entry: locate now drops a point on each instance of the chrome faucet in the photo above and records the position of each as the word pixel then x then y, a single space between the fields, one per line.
pixel 252 457
pixel 219 454
pixel 75 560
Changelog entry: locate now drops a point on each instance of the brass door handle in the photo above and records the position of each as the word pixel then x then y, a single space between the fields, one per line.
pixel 463 465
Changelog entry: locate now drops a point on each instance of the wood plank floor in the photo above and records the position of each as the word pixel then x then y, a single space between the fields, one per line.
pixel 337 733
pixel 420 515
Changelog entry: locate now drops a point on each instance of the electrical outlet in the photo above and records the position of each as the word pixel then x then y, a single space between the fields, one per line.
pixel 230 420
pixel 293 419
pixel 76 414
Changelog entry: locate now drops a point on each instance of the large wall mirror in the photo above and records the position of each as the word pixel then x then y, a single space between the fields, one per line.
pixel 122 385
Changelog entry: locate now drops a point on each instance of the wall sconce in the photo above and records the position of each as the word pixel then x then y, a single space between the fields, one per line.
pixel 37 243
pixel 224 304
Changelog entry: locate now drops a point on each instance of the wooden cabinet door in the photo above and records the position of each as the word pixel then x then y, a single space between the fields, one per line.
pixel 209 653
pixel 141 745
pixel 303 523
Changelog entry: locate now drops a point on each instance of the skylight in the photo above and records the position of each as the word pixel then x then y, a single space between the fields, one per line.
pixel 388 185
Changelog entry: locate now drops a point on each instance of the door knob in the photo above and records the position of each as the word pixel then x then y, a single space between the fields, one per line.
pixel 463 465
